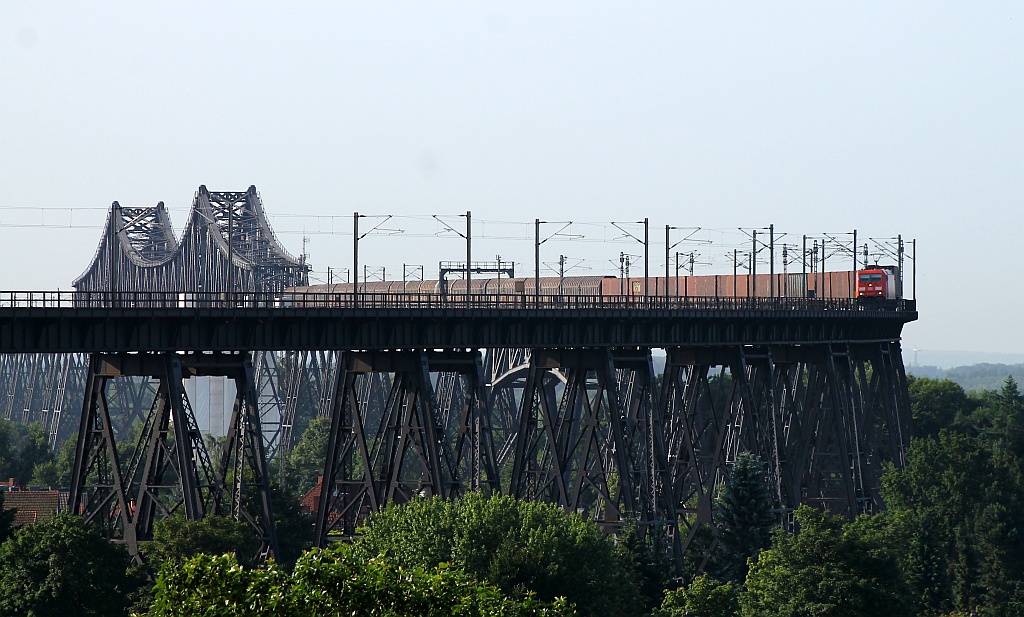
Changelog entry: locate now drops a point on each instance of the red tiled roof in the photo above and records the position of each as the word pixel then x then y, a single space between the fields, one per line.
pixel 35 506
pixel 311 501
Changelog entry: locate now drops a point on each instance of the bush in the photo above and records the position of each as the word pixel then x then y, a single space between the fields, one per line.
pixel 518 546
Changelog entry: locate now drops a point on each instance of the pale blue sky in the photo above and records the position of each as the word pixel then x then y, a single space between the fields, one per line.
pixel 888 118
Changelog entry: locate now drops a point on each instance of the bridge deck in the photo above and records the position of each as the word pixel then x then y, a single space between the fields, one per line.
pixel 40 322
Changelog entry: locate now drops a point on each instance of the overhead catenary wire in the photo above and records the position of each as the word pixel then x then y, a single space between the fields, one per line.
pixel 510 234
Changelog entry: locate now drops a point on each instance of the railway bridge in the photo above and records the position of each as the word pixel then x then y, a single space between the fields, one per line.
pixel 814 387
pixel 625 409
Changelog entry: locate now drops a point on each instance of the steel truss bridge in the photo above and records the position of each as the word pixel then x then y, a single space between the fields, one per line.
pixel 547 397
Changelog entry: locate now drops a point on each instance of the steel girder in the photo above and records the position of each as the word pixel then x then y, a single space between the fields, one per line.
pixel 274 414
pixel 593 434
pixel 409 446
pixel 824 419
pixel 507 370
pixel 169 470
pixel 134 239
pixel 38 387
pixel 245 327
pixel 462 402
pixel 243 464
pixel 308 383
pixel 227 245
pixel 595 445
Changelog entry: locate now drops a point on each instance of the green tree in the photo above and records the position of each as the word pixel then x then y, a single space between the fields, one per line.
pixel 704 597
pixel 176 539
pixel 648 559
pixel 826 569
pixel 306 460
pixel 65 462
pixel 61 567
pixel 45 474
pixel 964 501
pixel 293 527
pixel 8 455
pixel 518 546
pixel 999 421
pixel 217 585
pixel 744 518
pixel 328 583
pixel 342 582
pixel 936 404
pixel 6 520
pixel 23 449
pixel 35 452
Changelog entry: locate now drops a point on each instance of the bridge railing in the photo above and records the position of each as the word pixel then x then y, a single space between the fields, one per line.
pixel 66 299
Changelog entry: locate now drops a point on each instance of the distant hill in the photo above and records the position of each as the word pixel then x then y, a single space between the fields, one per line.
pixel 975 377
pixel 950 358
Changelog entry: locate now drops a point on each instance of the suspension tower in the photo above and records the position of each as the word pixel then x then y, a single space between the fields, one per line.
pixel 125 483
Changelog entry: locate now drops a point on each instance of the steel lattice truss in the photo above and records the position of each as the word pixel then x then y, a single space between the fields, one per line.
pixel 138 252
pixel 227 245
pixel 594 432
pixel 38 388
pixel 168 470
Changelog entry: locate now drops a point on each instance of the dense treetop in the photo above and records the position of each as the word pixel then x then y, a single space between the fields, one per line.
pixel 516 545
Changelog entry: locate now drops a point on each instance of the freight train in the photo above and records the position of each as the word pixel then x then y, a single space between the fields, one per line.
pixel 838 284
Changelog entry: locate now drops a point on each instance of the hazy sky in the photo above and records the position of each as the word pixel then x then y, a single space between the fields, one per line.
pixel 819 118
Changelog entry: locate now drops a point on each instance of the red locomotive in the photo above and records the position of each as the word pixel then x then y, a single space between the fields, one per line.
pixel 881 282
